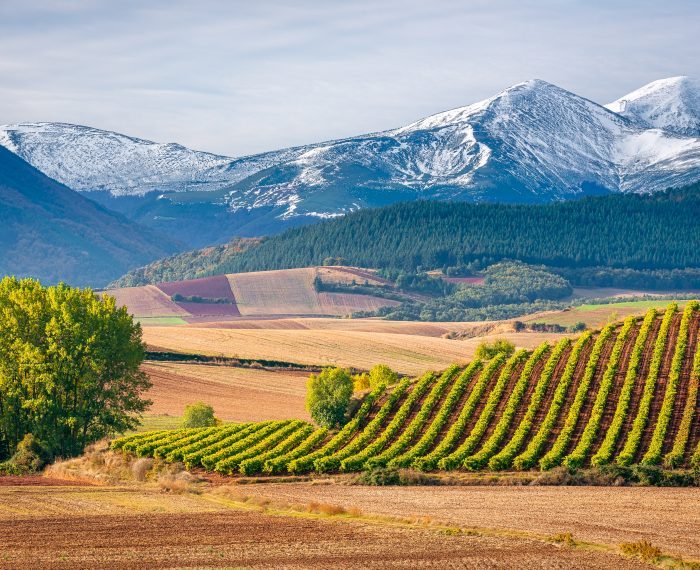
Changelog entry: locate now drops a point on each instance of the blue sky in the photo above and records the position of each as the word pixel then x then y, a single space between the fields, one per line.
pixel 243 77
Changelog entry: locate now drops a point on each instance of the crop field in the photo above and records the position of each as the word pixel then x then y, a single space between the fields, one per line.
pixel 236 394
pixel 625 395
pixel 140 527
pixel 147 301
pixel 597 315
pixel 407 353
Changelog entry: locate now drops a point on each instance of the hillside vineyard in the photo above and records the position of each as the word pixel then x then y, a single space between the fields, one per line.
pixel 627 394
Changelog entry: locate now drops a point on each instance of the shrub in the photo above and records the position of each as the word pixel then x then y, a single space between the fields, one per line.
pixel 198 415
pixel 487 350
pixel 382 374
pixel 641 549
pixel 360 382
pixel 30 456
pixel 328 396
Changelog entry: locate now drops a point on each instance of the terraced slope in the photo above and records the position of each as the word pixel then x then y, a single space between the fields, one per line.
pixel 625 394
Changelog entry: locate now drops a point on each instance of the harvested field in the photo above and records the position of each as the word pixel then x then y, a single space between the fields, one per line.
pixel 365 325
pixel 118 528
pixel 409 354
pixel 237 394
pixel 292 292
pixel 595 316
pixel 608 515
pixel 147 301
pixel 216 287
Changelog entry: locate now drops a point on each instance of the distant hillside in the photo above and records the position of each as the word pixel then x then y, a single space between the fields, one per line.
pixel 659 234
pixel 50 232
pixel 187 265
pixel 622 396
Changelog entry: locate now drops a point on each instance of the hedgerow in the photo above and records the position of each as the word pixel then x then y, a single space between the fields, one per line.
pixel 634 438
pixel 578 456
pixel 357 461
pixel 490 447
pixel 556 453
pixel 456 458
pixel 416 424
pixel 430 461
pixel 504 458
pixel 532 452
pixel 605 453
pixel 654 452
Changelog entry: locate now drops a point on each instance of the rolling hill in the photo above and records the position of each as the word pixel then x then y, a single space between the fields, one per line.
pixel 53 233
pixel 624 395
pixel 284 293
pixel 533 142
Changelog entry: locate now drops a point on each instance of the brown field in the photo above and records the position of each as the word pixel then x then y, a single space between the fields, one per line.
pixel 406 353
pixel 667 517
pixel 147 301
pixel 291 292
pixel 237 394
pixel 79 527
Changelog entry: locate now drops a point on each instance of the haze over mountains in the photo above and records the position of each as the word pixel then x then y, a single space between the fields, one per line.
pixel 531 143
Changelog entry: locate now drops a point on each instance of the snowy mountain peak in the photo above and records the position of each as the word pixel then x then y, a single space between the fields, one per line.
pixel 672 104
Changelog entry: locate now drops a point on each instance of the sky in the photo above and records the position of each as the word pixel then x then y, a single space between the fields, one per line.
pixel 237 78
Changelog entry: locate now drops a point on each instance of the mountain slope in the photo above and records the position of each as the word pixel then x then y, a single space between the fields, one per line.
pixel 607 231
pixel 533 142
pixel 51 232
pixel 671 104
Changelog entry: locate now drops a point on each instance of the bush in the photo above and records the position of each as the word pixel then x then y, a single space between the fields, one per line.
pixel 30 456
pixel 328 396
pixel 382 374
pixel 199 415
pixel 360 382
pixel 487 350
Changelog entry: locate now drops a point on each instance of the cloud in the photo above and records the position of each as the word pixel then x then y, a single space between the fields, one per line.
pixel 243 77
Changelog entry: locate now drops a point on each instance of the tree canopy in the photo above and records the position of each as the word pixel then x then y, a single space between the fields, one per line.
pixel 69 367
pixel 328 396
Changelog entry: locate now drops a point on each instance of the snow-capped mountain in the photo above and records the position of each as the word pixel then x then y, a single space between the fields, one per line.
pixel 671 104
pixel 533 142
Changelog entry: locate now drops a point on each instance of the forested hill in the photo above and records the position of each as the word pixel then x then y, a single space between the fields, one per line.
pixel 652 232
pixel 643 232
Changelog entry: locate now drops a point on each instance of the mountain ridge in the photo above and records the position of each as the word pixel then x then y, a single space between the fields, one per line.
pixel 532 142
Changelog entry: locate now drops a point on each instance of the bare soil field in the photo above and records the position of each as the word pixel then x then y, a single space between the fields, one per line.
pixel 667 517
pixel 128 528
pixel 147 301
pixel 406 353
pixel 237 394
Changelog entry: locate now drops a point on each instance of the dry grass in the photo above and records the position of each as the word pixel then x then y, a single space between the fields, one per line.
pixel 237 394
pixel 641 549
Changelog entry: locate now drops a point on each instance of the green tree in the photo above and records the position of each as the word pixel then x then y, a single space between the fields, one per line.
pixel 199 414
pixel 328 396
pixel 69 367
pixel 487 350
pixel 382 374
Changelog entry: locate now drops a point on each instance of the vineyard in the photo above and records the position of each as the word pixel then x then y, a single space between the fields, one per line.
pixel 627 394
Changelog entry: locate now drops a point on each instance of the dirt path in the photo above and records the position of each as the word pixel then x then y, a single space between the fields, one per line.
pixel 608 515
